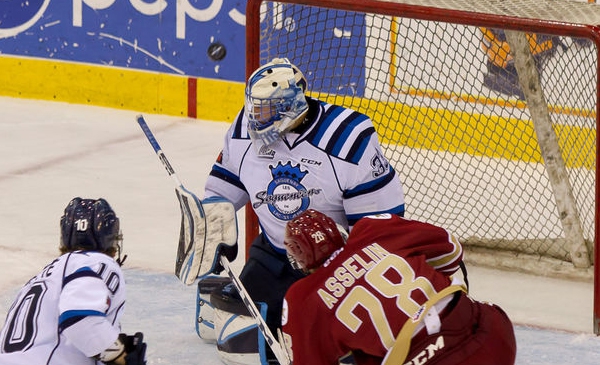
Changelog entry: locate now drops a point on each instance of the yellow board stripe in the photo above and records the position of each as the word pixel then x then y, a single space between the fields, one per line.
pixel 96 85
pixel 471 133
pixel 219 100
pixel 119 88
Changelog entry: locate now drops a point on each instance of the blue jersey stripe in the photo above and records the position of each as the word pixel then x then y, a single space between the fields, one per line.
pixel 360 145
pixel 222 174
pixel 343 132
pixel 371 186
pixel 238 131
pixel 69 318
pixel 353 218
pixel 82 272
pixel 326 120
pixel 344 127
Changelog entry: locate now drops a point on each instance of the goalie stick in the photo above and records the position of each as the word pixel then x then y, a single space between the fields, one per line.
pixel 278 351
pixel 194 224
pixel 189 253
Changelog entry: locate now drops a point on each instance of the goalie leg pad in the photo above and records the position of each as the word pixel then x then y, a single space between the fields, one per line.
pixel 239 341
pixel 205 312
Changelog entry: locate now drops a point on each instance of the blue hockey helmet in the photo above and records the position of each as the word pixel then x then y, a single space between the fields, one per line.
pixel 90 225
pixel 275 100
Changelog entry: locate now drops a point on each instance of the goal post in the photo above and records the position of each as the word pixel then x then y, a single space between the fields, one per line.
pixel 558 177
pixel 488 110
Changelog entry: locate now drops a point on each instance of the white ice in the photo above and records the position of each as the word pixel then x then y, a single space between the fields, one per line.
pixel 51 152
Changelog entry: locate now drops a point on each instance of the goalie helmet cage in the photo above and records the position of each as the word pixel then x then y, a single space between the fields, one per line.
pixel 487 110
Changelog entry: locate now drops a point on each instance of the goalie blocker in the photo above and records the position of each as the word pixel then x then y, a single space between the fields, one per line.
pixel 208 231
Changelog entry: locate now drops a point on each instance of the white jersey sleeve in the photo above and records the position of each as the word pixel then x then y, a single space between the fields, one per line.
pixel 224 179
pixel 67 313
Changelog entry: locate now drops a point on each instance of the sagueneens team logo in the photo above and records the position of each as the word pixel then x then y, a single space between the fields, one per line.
pixel 286 196
pixel 16 16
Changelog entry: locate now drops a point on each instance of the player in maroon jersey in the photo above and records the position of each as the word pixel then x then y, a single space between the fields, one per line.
pixel 387 296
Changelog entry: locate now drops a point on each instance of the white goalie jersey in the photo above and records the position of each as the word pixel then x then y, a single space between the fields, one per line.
pixel 335 166
pixel 66 314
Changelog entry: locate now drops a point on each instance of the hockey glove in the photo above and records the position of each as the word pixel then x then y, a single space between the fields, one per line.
pixel 127 350
pixel 135 348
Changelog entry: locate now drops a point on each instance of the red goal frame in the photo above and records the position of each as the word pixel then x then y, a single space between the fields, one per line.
pixel 435 11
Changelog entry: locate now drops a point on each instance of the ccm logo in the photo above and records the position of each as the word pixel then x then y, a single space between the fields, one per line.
pixel 308 161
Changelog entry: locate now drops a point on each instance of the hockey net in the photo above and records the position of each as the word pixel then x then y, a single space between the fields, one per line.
pixel 487 110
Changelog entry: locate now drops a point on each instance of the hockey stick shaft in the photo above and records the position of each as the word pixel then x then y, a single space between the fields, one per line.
pixel 161 156
pixel 280 354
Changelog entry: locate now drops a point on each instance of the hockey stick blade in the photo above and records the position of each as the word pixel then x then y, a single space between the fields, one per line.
pixel 193 223
pixel 279 352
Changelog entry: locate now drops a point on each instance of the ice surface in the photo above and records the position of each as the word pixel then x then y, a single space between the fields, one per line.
pixel 52 152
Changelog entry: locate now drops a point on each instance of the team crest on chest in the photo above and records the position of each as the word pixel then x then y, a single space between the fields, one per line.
pixel 286 196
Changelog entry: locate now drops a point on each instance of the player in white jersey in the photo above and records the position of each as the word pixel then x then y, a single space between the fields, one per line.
pixel 286 152
pixel 70 312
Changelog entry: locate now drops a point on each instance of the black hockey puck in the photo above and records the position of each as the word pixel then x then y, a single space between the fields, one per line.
pixel 216 51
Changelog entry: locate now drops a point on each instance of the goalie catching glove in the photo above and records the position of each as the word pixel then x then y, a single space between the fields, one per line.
pixel 126 350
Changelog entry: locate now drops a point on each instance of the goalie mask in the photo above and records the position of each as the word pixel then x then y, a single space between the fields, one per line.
pixel 90 225
pixel 275 101
pixel 311 238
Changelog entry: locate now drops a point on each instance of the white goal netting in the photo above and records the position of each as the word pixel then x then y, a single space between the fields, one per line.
pixel 440 81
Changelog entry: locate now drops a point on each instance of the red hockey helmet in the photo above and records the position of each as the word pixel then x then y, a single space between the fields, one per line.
pixel 311 238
